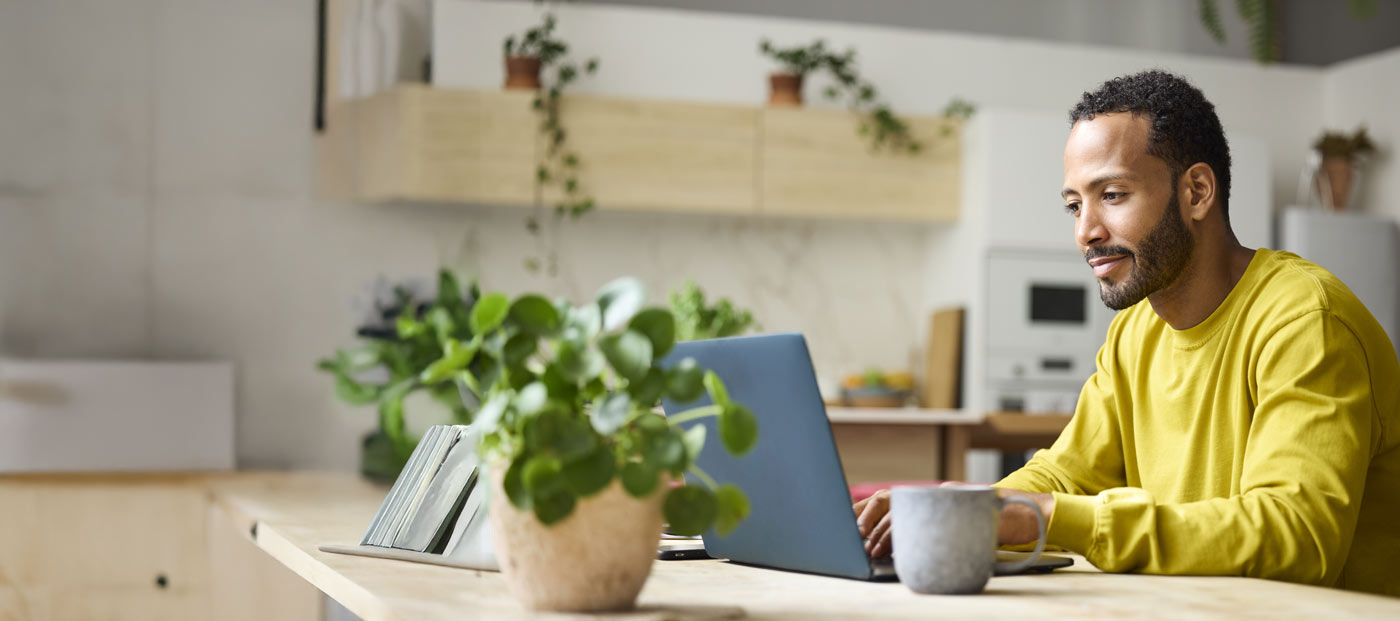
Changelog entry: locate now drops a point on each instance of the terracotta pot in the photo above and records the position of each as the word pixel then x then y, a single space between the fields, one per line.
pixel 1339 173
pixel 597 559
pixel 784 90
pixel 523 72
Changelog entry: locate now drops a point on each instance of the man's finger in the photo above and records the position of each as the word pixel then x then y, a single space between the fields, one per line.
pixel 875 509
pixel 882 544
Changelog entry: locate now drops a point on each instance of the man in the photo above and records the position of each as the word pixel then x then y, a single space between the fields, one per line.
pixel 1245 419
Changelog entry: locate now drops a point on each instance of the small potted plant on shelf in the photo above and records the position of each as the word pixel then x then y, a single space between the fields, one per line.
pixel 404 340
pixel 582 464
pixel 878 122
pixel 1340 157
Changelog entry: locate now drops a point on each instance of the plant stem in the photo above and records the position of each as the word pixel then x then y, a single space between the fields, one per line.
pixel 704 478
pixel 692 414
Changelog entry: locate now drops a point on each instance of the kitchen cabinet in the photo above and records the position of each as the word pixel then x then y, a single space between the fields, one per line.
pixel 420 143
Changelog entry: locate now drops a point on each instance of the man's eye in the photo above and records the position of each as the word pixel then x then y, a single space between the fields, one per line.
pixel 1072 209
pixel 1111 197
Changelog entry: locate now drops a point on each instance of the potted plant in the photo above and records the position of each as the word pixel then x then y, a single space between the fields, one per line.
pixel 878 121
pixel 537 61
pixel 581 462
pixel 404 341
pixel 696 319
pixel 1340 153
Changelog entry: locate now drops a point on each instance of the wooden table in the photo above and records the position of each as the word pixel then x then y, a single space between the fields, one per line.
pixel 290 516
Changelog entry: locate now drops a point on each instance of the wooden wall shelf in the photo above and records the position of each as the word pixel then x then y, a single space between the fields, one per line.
pixel 420 143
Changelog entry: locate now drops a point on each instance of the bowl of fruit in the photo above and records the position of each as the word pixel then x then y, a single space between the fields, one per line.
pixel 877 389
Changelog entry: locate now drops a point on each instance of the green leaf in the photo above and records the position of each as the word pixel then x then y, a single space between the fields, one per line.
pixel 579 364
pixel 648 391
pixel 531 399
pixel 594 389
pixel 738 429
pixel 466 378
pixel 455 357
pixel 685 381
pixel 628 352
pixel 1210 18
pixel 690 510
pixel 518 348
pixel 408 327
pixel 554 431
pixel 638 479
pixel 583 323
pixel 658 326
pixel 715 386
pixel 535 315
pixel 441 322
pixel 361 358
pixel 610 413
pixel 449 292
pixel 553 507
pixel 489 312
pixel 353 392
pixel 391 419
pixel 694 439
pixel 733 508
pixel 490 413
pixel 619 300
pixel 560 388
pixel 665 451
pixel 543 479
pixel 651 422
pixel 591 474
pixel 514 484
pixel 542 474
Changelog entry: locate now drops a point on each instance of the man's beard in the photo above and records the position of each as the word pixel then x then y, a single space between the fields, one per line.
pixel 1159 260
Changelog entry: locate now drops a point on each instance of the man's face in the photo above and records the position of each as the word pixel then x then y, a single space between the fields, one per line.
pixel 1127 220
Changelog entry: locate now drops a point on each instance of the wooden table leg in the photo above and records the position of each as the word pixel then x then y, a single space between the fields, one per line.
pixel 956 439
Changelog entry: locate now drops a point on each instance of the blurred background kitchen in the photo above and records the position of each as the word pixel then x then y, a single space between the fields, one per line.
pixel 243 183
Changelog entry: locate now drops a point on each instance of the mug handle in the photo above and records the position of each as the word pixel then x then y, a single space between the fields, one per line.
pixel 1016 567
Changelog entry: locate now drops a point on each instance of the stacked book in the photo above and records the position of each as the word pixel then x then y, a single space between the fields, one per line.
pixel 436 505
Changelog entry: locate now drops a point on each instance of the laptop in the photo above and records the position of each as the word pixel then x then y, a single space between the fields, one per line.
pixel 800 507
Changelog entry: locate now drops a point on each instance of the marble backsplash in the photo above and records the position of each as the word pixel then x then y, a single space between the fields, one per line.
pixel 853 288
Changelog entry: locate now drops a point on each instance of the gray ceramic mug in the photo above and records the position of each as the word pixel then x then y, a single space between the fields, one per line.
pixel 945 538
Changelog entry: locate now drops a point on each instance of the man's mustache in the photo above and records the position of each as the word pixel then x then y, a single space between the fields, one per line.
pixel 1099 252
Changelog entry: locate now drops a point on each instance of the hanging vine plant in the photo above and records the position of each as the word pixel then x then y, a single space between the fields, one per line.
pixel 1261 17
pixel 538 48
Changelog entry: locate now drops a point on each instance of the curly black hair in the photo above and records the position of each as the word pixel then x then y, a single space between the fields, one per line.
pixel 1185 129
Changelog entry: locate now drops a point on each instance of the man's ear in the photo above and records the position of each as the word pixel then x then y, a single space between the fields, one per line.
pixel 1198 186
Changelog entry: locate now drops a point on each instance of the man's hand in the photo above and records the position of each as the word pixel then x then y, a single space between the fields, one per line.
pixel 873 521
pixel 1017 525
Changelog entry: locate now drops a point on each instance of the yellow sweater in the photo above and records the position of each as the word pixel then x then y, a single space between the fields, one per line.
pixel 1263 442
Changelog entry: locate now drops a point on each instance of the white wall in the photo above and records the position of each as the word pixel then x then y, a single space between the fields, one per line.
pixel 156 196
pixel 1367 91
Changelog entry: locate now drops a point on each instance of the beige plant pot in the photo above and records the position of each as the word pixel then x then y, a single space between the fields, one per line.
pixel 597 559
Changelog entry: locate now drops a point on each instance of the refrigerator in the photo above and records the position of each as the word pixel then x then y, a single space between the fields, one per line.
pixel 1362 250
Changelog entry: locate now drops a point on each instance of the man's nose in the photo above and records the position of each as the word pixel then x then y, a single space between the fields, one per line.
pixel 1088 227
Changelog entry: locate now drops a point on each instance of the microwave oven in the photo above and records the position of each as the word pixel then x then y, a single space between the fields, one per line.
pixel 1045 325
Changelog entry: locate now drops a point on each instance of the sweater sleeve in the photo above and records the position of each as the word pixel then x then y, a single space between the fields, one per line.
pixel 1304 470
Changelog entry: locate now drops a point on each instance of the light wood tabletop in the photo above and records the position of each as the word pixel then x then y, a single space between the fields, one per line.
pixel 292 514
